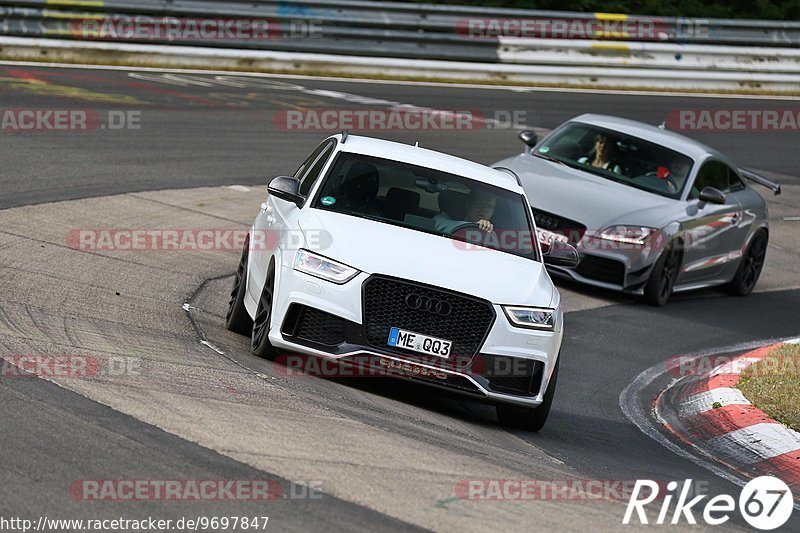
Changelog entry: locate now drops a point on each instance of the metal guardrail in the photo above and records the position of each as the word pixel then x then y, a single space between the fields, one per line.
pixel 333 33
pixel 404 29
pixel 592 46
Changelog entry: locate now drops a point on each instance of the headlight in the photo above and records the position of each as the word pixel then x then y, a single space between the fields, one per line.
pixel 627 234
pixel 531 317
pixel 322 267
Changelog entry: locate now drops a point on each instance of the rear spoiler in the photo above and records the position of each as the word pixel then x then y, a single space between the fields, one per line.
pixel 761 180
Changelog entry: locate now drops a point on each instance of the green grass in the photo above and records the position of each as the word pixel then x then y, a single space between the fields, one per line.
pixel 773 385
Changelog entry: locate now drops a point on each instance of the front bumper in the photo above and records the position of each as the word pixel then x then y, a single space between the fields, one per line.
pixel 606 264
pixel 511 364
pixel 610 266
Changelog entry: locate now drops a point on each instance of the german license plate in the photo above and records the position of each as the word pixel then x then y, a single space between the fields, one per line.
pixel 418 342
pixel 548 237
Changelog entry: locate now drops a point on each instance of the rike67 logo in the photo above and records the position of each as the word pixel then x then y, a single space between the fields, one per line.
pixel 766 503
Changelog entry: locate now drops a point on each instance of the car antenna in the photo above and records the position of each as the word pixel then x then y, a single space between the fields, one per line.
pixel 663 125
pixel 344 136
pixel 416 144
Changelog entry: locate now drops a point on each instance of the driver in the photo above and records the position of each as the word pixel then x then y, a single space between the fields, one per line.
pixel 675 173
pixel 479 210
pixel 604 155
pixel 679 169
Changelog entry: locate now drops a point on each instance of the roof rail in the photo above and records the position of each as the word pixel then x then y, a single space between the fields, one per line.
pixel 506 169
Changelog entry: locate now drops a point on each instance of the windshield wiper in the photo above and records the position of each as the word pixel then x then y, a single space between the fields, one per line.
pixel 610 176
pixel 553 159
pixel 570 164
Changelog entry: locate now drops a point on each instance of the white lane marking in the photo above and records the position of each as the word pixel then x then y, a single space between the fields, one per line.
pixel 172 79
pixel 756 443
pixel 240 188
pixel 473 86
pixel 206 343
pixel 631 402
pixel 183 80
pixel 704 401
pixel 792 219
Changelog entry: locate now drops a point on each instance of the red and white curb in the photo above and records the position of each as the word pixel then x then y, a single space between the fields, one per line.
pixel 735 433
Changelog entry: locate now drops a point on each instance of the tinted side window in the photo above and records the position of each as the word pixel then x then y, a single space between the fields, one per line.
pixel 718 175
pixel 310 177
pixel 712 174
pixel 734 181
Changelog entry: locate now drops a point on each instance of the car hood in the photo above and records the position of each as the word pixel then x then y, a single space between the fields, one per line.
pixel 580 196
pixel 378 248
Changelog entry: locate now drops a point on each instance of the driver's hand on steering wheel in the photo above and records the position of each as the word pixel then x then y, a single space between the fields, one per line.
pixel 485 225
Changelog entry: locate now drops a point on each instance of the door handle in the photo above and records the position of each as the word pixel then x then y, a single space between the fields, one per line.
pixel 264 206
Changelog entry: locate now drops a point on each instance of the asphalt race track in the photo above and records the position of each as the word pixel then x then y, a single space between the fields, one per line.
pixel 223 134
pixel 179 420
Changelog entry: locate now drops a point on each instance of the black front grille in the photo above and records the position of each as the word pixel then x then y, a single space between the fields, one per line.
pixel 466 324
pixel 315 326
pixel 602 269
pixel 557 224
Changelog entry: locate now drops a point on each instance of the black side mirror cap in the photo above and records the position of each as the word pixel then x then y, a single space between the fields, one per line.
pixel 712 195
pixel 286 188
pixel 529 137
pixel 562 254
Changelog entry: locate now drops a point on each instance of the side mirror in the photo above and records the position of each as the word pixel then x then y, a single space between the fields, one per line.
pixel 712 195
pixel 286 188
pixel 529 137
pixel 562 254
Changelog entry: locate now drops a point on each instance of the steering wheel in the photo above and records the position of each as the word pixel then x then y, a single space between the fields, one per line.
pixel 671 185
pixel 469 226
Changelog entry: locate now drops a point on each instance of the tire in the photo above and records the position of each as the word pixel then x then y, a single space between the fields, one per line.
pixel 750 266
pixel 529 418
pixel 259 336
pixel 662 280
pixel 237 318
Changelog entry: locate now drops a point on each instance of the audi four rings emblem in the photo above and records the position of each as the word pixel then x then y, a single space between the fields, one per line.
pixel 431 305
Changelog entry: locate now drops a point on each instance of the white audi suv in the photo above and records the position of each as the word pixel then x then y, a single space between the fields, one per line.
pixel 411 263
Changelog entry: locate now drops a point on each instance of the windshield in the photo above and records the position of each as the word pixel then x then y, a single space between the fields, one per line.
pixel 430 201
pixel 619 157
